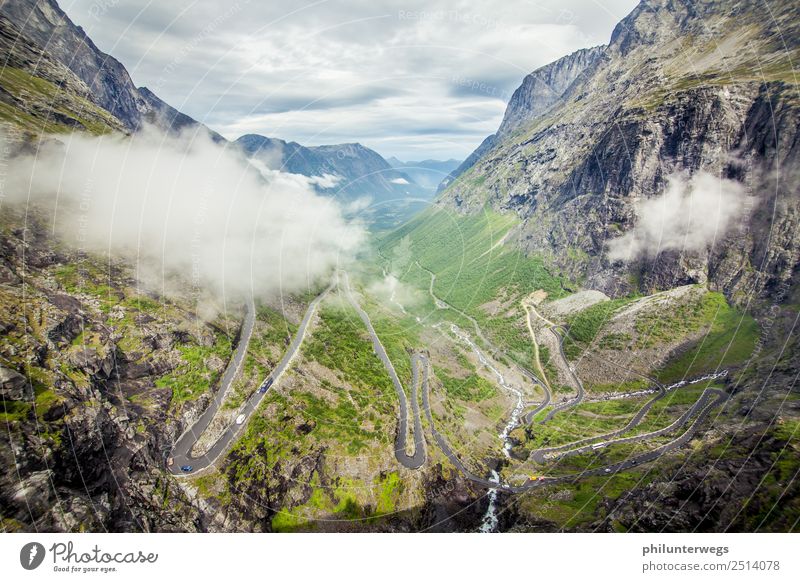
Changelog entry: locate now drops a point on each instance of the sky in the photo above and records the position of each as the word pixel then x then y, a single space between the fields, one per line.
pixel 411 79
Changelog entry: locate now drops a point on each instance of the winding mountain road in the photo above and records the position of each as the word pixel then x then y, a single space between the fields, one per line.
pixel 417 459
pixel 704 409
pixel 541 382
pixel 182 449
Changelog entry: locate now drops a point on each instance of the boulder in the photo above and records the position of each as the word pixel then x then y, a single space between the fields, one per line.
pixel 14 386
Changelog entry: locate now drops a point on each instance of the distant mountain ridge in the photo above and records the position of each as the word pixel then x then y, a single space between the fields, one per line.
pixel 426 173
pixel 357 170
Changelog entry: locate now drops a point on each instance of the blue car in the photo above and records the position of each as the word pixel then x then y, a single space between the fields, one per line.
pixel 187 468
pixel 265 386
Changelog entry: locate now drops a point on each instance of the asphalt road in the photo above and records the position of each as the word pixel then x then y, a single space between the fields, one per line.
pixel 542 455
pixel 702 405
pixel 182 449
pixel 578 384
pixel 416 460
pixel 539 454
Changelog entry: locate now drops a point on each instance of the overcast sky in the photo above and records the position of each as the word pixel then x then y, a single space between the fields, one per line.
pixel 411 79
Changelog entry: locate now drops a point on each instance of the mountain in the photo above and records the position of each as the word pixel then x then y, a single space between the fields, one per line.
pixel 39 94
pixel 43 27
pixel 347 171
pixel 684 90
pixel 541 90
pixel 426 173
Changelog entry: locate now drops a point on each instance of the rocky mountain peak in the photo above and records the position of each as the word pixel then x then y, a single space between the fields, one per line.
pixel 546 86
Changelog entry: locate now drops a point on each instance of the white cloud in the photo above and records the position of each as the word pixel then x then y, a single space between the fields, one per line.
pixel 690 215
pixel 191 208
pixel 399 181
pixel 400 78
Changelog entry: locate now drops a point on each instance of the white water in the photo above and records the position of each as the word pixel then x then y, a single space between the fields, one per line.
pixel 696 380
pixel 513 421
pixel 490 520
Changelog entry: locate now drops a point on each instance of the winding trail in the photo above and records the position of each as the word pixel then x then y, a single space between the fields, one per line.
pixel 420 366
pixel 701 407
pixel 577 448
pixel 495 351
pixel 560 334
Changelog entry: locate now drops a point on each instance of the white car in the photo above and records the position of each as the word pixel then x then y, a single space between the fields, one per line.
pixel 240 419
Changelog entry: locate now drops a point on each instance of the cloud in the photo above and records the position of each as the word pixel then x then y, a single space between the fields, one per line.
pixel 399 181
pixel 690 215
pixel 187 208
pixel 419 79
pixel 265 168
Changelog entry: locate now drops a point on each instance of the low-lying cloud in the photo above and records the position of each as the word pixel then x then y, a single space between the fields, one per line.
pixel 690 215
pixel 186 207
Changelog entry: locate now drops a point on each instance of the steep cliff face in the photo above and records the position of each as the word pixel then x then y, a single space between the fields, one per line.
pixel 540 91
pixel 87 422
pixel 547 86
pixel 43 24
pixel 39 94
pixel 682 88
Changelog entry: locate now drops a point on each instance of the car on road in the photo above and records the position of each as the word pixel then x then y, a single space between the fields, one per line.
pixel 598 446
pixel 187 468
pixel 265 386
pixel 240 419
pixel 606 470
pixel 170 461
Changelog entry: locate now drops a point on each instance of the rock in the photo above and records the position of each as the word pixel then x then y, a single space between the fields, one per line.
pixel 589 137
pixel 66 330
pixel 35 493
pixel 14 386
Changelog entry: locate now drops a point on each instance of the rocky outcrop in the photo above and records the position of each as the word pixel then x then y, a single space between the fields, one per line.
pixel 643 108
pixel 546 87
pixel 13 385
pixel 44 93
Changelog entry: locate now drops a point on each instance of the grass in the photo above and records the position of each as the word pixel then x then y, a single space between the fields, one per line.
pixel 584 505
pixel 341 343
pixel 610 415
pixel 27 87
pixel 469 271
pixel 731 338
pixel 390 488
pixel 473 388
pixel 472 269
pixel 353 416
pixel 193 377
pixel 586 324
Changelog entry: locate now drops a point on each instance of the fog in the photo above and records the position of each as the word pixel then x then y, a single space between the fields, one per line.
pixel 186 207
pixel 690 215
